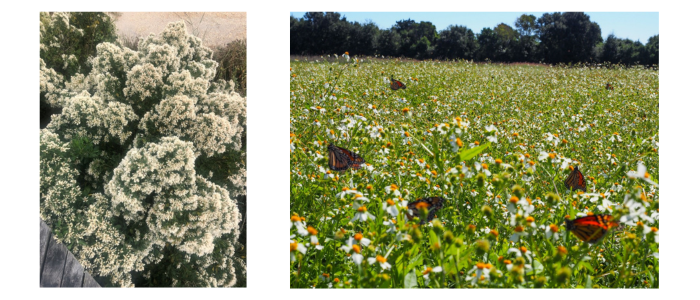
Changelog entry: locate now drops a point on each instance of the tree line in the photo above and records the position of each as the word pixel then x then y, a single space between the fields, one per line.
pixel 568 37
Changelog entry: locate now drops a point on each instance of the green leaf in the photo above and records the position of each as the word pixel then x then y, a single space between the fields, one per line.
pixel 418 259
pixel 467 154
pixel 410 281
pixel 588 282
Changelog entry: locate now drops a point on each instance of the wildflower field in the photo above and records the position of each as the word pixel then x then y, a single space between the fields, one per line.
pixel 496 142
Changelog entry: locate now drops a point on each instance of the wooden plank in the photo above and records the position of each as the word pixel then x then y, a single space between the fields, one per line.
pixel 44 236
pixel 72 273
pixel 88 281
pixel 54 264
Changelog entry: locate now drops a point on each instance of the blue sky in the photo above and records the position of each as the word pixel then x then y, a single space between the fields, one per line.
pixel 633 25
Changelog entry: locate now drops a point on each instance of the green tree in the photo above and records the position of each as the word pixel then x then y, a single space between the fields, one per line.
pixel 527 45
pixel 389 42
pixel 456 42
pixel 652 50
pixel 497 44
pixel 417 39
pixel 568 37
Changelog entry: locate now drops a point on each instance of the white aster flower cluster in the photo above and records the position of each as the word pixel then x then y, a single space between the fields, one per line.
pixel 150 114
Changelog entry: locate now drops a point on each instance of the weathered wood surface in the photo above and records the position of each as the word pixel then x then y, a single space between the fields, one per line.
pixel 58 267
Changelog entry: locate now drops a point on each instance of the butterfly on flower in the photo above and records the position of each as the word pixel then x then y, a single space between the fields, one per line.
pixel 395 84
pixel 431 204
pixel 590 228
pixel 609 87
pixel 340 159
pixel 575 181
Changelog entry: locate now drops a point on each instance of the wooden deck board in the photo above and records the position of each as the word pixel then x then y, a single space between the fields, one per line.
pixel 72 273
pixel 58 267
pixel 44 236
pixel 54 264
pixel 88 281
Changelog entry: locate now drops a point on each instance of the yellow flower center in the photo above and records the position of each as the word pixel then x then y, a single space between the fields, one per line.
pixel 459 142
pixel 312 230
pixel 356 248
pixel 476 143
pixel 293 246
pixel 362 209
pixel 381 259
pixel 390 202
pixel 523 249
pixel 427 270
pixel 513 199
pixel 358 236
pixel 530 219
pixel 485 166
pixel 553 228
pixel 393 187
pixel 552 155
pixel 561 249
pixel 518 228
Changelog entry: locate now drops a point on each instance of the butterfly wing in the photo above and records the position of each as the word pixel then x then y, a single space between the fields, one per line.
pixel 336 160
pixel 575 180
pixel 401 85
pixel 395 84
pixel 354 160
pixel 590 228
pixel 340 159
pixel 432 204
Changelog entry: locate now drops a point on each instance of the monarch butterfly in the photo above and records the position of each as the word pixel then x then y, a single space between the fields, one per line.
pixel 590 228
pixel 609 86
pixel 340 159
pixel 432 204
pixel 575 180
pixel 395 84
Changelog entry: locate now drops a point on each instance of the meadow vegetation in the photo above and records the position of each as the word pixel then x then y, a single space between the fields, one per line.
pixel 496 142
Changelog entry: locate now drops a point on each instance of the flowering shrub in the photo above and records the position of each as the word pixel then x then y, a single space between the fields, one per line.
pixel 497 143
pixel 141 172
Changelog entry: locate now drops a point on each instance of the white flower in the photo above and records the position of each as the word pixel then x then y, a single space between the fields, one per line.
pixel 362 214
pixel 426 273
pixel 390 208
pixel 296 247
pixel 381 259
pixel 641 173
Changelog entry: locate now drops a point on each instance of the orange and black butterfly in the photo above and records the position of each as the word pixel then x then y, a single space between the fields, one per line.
pixel 609 87
pixel 591 228
pixel 395 84
pixel 340 159
pixel 575 181
pixel 432 204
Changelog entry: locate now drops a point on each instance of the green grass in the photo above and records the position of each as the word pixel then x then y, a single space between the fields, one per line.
pixel 431 139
